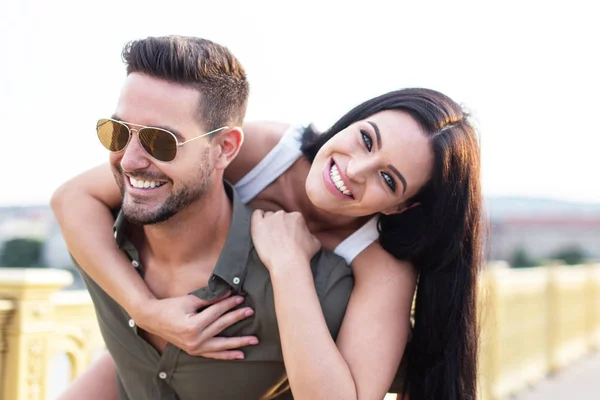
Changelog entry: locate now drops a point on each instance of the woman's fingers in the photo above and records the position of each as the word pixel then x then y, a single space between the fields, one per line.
pixel 212 321
pixel 213 312
pixel 200 303
pixel 226 320
pixel 223 348
pixel 223 355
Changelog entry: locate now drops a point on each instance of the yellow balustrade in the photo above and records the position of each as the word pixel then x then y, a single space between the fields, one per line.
pixel 6 309
pixel 567 309
pixel 80 341
pixel 534 321
pixel 38 322
pixel 593 310
pixel 514 349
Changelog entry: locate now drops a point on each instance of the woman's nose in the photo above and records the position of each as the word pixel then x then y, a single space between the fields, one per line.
pixel 358 169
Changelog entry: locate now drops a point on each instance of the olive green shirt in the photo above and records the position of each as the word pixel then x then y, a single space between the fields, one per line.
pixel 144 374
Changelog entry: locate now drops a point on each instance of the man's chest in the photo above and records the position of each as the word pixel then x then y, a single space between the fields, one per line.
pixel 168 284
pixel 142 367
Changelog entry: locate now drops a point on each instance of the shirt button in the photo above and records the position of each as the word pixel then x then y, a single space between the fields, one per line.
pixel 162 375
pixel 131 323
pixel 236 280
pixel 135 263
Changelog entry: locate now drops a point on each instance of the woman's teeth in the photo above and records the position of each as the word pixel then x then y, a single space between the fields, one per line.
pixel 337 180
pixel 144 184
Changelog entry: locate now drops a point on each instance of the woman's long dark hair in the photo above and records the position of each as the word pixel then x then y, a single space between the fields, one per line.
pixel 441 237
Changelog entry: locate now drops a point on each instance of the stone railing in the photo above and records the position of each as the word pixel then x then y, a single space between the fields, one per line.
pixel 37 322
pixel 535 321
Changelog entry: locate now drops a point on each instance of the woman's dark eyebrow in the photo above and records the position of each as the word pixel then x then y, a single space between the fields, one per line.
pixel 377 134
pixel 399 175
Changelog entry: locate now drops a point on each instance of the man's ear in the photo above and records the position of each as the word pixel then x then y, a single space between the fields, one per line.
pixel 400 209
pixel 227 145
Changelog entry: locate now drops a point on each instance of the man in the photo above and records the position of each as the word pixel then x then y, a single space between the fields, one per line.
pixel 174 131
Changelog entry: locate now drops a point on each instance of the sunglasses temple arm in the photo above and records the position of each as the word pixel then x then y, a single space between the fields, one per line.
pixel 201 136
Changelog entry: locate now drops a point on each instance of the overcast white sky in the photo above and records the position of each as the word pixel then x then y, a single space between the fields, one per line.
pixel 527 70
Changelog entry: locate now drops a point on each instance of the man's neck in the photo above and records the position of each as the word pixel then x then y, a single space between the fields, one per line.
pixel 195 233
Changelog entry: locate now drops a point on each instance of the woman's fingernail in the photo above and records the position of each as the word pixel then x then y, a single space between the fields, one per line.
pixel 240 357
pixel 249 312
pixel 239 299
pixel 253 341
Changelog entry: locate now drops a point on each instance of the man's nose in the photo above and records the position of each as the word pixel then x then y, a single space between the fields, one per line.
pixel 134 155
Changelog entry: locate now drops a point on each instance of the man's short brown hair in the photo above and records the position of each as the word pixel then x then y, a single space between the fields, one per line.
pixel 199 63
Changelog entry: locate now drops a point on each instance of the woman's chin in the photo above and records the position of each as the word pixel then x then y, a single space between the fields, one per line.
pixel 324 201
pixel 319 201
pixel 336 208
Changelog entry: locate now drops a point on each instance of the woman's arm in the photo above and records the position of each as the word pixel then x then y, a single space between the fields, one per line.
pixel 89 197
pixel 259 138
pixel 375 328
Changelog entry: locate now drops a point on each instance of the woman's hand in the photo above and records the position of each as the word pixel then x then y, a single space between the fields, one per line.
pixel 282 238
pixel 178 321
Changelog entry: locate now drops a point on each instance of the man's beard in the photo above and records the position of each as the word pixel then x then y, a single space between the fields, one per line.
pixel 177 200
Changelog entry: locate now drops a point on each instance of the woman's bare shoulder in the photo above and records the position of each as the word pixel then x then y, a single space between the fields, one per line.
pixel 375 261
pixel 259 138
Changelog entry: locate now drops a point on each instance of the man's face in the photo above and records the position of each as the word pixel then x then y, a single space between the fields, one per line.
pixel 154 191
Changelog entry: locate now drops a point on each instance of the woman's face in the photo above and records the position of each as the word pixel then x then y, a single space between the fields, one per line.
pixel 374 165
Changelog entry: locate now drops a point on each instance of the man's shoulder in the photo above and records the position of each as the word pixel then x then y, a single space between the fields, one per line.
pixel 329 259
pixel 334 283
pixel 326 265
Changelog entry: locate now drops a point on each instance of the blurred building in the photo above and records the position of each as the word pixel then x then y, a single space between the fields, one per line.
pixel 542 237
pixel 30 222
pixel 539 227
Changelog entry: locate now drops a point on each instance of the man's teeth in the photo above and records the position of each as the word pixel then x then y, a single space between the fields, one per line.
pixel 144 184
pixel 337 180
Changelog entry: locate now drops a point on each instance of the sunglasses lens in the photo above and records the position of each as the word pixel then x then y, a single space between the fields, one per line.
pixel 113 135
pixel 158 143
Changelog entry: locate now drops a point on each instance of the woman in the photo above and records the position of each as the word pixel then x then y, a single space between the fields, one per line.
pixel 406 162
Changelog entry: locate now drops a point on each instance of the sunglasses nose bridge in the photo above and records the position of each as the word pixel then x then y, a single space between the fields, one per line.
pixel 134 155
pixel 134 136
pixel 134 133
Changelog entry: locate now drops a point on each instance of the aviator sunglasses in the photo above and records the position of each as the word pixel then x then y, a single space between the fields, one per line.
pixel 159 143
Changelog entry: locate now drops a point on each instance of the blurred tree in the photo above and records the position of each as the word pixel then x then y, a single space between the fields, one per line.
pixel 571 255
pixel 21 252
pixel 520 259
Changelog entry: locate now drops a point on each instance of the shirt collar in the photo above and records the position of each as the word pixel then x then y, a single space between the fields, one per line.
pixel 230 270
pixel 231 266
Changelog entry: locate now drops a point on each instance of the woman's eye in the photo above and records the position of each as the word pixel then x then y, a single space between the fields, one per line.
pixel 389 181
pixel 367 140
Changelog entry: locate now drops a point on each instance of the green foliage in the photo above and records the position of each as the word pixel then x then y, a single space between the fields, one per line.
pixel 21 252
pixel 520 259
pixel 570 255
